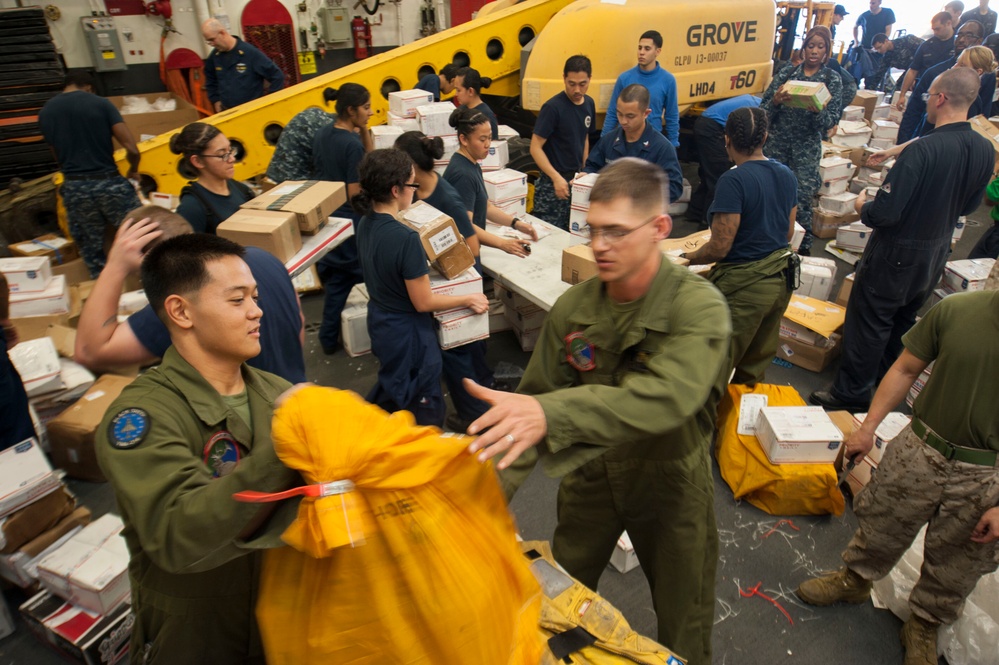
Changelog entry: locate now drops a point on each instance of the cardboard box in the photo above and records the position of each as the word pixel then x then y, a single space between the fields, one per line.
pixel 71 433
pixel 405 102
pixel 20 567
pixel 354 323
pixel 881 112
pixel 982 126
pixel 25 476
pixel 384 136
pixel 54 299
pixel 967 274
pixel 516 206
pixel 26 275
pixel 405 123
pixel 797 236
pixel 25 524
pixel 577 222
pixel 838 204
pixel 582 185
pixel 497 317
pixel 91 568
pixel 311 201
pixel 862 474
pixel 467 283
pixel 852 134
pixel 807 95
pixel 441 239
pixel 498 157
pixel 816 281
pixel 883 143
pixel 37 361
pixel 273 231
pixel 624 558
pixel 60 250
pixel 799 333
pixel 825 224
pixel 884 129
pixel 798 435
pixel 820 316
pixel 525 317
pixel 853 113
pixel 853 237
pixel 434 119
pixel 506 132
pixel 36 327
pixel 830 187
pixel 869 99
pixel 528 339
pixel 74 271
pixel 918 385
pixel 845 289
pixel 578 264
pixel 154 123
pixel 85 637
pixel 505 184
pixel 834 168
pixel 456 327
pixel 808 356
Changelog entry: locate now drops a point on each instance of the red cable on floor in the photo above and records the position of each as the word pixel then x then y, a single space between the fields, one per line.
pixel 755 591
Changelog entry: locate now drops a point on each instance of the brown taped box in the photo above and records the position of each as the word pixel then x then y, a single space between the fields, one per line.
pixel 13 567
pixel 578 264
pixel 63 254
pixel 312 201
pixel 825 225
pixel 869 100
pixel 26 524
pixel 273 231
pixel 72 432
pixel 806 356
pixel 156 122
pixel 75 271
pixel 983 127
pixel 845 289
pixel 36 327
pixel 441 240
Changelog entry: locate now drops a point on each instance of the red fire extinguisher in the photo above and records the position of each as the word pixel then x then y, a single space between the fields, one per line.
pixel 360 29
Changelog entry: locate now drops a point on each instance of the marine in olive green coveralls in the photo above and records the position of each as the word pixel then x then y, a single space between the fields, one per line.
pixel 629 394
pixel 175 451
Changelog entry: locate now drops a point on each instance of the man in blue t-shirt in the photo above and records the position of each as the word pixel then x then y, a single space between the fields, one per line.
pixel 104 343
pixel 439 84
pixel 876 21
pixel 79 127
pixel 634 137
pixel 560 143
pixel 235 72
pixel 660 84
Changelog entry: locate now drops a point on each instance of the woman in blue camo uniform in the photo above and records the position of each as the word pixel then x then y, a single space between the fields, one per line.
pixel 796 134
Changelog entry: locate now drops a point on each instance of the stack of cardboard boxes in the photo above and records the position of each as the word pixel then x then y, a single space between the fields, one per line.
pixel 507 190
pixel 809 336
pixel 861 474
pixel 524 317
pixel 962 276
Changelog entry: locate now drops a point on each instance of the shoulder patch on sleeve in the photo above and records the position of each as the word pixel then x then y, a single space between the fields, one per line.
pixel 128 428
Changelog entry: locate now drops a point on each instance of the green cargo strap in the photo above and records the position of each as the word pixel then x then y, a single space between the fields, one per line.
pixel 949 450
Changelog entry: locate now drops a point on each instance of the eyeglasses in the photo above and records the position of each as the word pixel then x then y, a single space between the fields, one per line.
pixel 224 156
pixel 614 234
pixel 966 34
pixel 926 96
pixel 414 185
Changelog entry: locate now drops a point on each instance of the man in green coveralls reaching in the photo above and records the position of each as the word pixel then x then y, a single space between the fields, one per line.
pixel 178 443
pixel 621 393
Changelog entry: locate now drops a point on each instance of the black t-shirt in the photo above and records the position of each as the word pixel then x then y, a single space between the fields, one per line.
pixel 336 154
pixel 204 220
pixel 390 253
pixel 875 24
pixel 466 178
pixel 932 52
pixel 565 126
pixel 763 193
pixel 432 84
pixel 446 199
pixel 492 118
pixel 78 127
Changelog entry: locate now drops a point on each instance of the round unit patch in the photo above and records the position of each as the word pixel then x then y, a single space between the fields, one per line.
pixel 222 454
pixel 128 428
pixel 579 352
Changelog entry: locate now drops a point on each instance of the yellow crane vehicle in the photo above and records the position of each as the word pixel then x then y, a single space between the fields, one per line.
pixel 715 48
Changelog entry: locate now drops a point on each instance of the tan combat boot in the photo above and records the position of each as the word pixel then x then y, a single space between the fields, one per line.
pixel 920 641
pixel 843 586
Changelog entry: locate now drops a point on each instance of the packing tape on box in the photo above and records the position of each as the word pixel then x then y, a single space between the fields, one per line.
pixel 282 201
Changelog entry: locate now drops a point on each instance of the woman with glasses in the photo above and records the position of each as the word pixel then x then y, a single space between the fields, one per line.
pixel 214 196
pixel 400 311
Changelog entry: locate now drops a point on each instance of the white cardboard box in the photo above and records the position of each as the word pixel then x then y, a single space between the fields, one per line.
pixel 37 361
pixel 624 558
pixel 25 475
pixel 498 157
pixel 887 431
pixel 577 222
pixel 884 129
pixel 517 206
pixel 883 144
pixel 816 281
pixel 384 136
pixel 506 132
pixel 851 134
pixel 798 435
pixel 405 102
pixel 853 113
pixel 27 274
pixel 853 237
pixel 466 283
pixel 53 300
pixel 581 188
pixel 838 204
pixel 833 168
pixel 406 124
pixel 90 569
pixel 881 112
pixel 799 235
pixel 837 186
pixel 354 323
pixel 433 119
pixel 460 326
pixel 967 274
pixel 505 184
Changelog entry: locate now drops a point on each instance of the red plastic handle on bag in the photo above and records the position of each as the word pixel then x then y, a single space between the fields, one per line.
pixel 319 490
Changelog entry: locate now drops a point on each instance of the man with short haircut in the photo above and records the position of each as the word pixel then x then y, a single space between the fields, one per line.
pixel 875 21
pixel 235 72
pixel 634 136
pixel 839 13
pixel 176 445
pixel 933 51
pixel 619 397
pixel 79 126
pixel 987 17
pixel 560 142
pixel 895 54
pixel 935 180
pixel 955 9
pixel 439 84
pixel 102 343
pixel 660 84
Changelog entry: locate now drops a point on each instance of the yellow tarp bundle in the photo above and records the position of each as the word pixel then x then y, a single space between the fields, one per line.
pixel 779 489
pixel 417 564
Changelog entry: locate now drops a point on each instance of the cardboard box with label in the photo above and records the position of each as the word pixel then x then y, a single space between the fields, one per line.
pixel 72 432
pixel 853 237
pixel 25 476
pixel 881 112
pixel 816 281
pixel 456 327
pixel 578 264
pixel 20 567
pixel 60 250
pixel 498 157
pixel 516 206
pixel 26 275
pixel 798 435
pixel 884 129
pixel 811 95
pixel 869 100
pixel 825 224
pixel 834 168
pixel 405 102
pixel 384 136
pixel 578 225
pixel 91 568
pixel 505 184
pixel 852 112
pixel 967 274
pixel 53 299
pixel 838 186
pixel 405 123
pixel 838 204
pixel 154 123
pixel 354 323
pixel 819 316
pixel 809 356
pixel 37 362
pixel 311 201
pixel 276 232
pixel 852 134
pixel 441 240
pixel 581 188
pixel 893 424
pixel 467 283
pixel 983 127
pixel 88 638
pixel 435 119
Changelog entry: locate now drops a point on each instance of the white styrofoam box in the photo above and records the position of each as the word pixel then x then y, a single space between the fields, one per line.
pixel 837 186
pixel 91 568
pixel 833 168
pixel 853 237
pixel 354 323
pixel 799 235
pixel 884 129
pixel 27 274
pixel 499 155
pixel 881 112
pixel 53 300
pixel 580 190
pixel 404 123
pixel 577 222
pixel 853 113
pixel 816 281
pixel 466 283
pixel 37 361
pixel 505 184
pixel 798 435
pixel 624 558
pixel 456 327
pixel 505 132
pixel 838 204
pixel 967 274
pixel 405 102
pixel 384 136
pixel 25 475
pixel 433 119
pixel 959 229
pixel 517 206
pixel 883 144
pixel 851 134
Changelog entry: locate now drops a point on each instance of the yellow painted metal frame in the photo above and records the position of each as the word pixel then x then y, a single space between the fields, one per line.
pixel 248 122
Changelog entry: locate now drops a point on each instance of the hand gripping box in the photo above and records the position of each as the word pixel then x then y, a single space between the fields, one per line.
pixel 405 102
pixel 807 95
pixel 311 201
pixel 440 237
pixel 798 435
pixel 582 185
pixel 27 275
pixel 273 231
pixel 505 184
pixel 890 427
pixel 459 326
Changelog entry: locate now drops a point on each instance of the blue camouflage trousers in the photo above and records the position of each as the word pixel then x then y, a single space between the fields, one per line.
pixel 801 154
pixel 92 206
pixel 549 207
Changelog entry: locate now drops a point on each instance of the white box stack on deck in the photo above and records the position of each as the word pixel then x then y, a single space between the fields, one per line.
pixel 798 435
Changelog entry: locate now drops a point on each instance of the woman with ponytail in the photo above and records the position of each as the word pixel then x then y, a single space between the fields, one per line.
pixel 468 86
pixel 214 196
pixel 292 158
pixel 400 319
pixel 752 221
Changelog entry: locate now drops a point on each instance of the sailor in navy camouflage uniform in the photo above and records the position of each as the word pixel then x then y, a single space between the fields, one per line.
pixel 292 158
